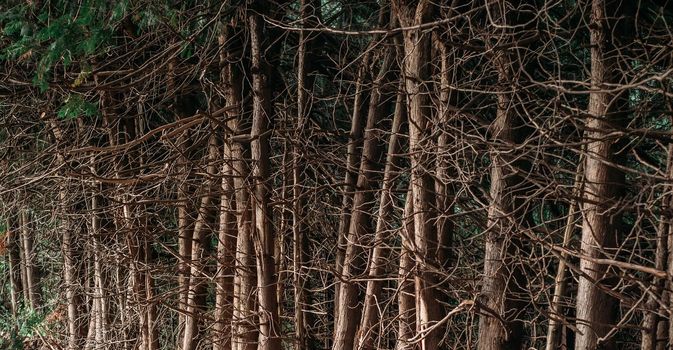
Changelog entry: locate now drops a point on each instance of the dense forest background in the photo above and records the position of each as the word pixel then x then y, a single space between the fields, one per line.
pixel 336 174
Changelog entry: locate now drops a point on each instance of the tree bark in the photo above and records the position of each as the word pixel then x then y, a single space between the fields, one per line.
pixel 185 221
pixel 443 188
pixel 360 222
pixel 262 116
pixel 416 74
pixel 309 11
pixel 75 328
pixel 226 244
pixel 14 263
pixel 595 308
pixel 352 163
pixel 27 244
pixel 197 262
pixel 655 333
pixel 244 319
pixel 367 336
pixel 499 323
pixel 407 307
pixel 556 318
pixel 100 304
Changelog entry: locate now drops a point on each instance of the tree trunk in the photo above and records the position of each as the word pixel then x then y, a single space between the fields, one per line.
pixel 244 320
pixel 443 189
pixel 361 221
pixel 556 318
pixel 352 163
pixel 407 306
pixel 185 221
pixel 262 116
pixel 197 261
pixel 366 337
pixel 14 263
pixel 99 298
pixel 152 324
pixel 416 72
pixel 499 323
pixel 595 308
pixel 27 244
pixel 74 325
pixel 226 244
pixel 309 11
pixel 310 16
pixel 655 333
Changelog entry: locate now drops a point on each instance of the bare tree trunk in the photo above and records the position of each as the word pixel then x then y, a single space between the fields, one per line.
pixel 352 163
pixel 655 334
pixel 14 266
pixel 556 319
pixel 226 244
pixel 100 304
pixel 112 129
pixel 407 306
pixel 262 116
pixel 309 10
pixel 134 293
pixel 27 244
pixel 196 283
pixel 244 320
pixel 74 326
pixel 366 337
pixel 416 71
pixel 152 324
pixel 443 190
pixel 360 222
pixel 499 323
pixel 70 280
pixel 651 318
pixel 185 221
pixel 595 308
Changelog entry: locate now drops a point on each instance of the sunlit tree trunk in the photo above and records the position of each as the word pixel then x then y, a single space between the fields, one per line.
pixel 262 117
pixel 310 12
pixel 500 326
pixel 197 262
pixel 443 188
pixel 75 328
pixel 244 319
pixel 184 211
pixel 358 121
pixel 13 262
pixel 405 297
pixel 352 163
pixel 595 308
pixel 99 299
pixel 226 243
pixel 30 287
pixel 416 74
pixel 651 318
pixel 367 336
pixel 361 221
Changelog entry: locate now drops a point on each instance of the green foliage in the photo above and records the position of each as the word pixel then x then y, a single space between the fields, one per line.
pixel 75 106
pixel 27 325
pixel 79 31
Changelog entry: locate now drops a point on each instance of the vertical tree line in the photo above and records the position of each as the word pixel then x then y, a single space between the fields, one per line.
pixel 339 175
